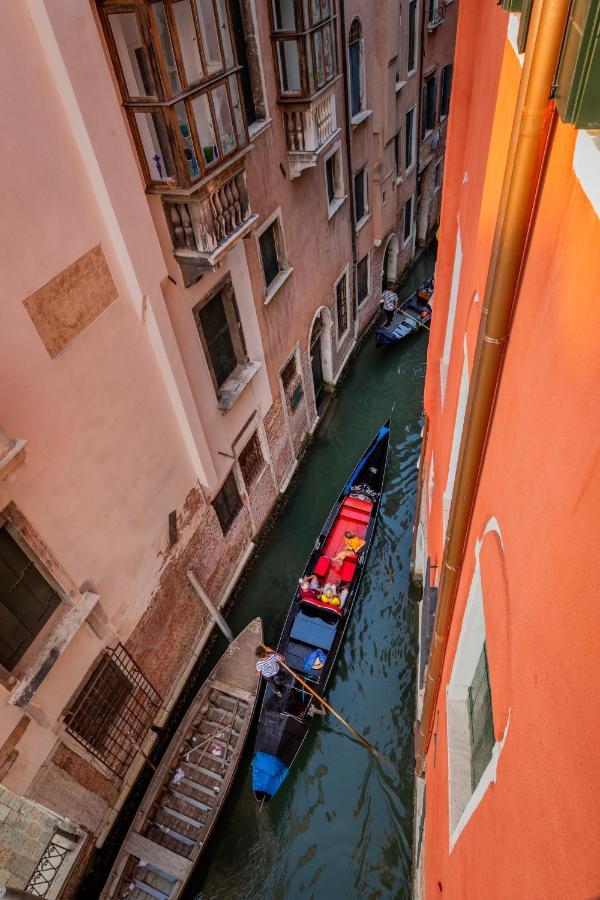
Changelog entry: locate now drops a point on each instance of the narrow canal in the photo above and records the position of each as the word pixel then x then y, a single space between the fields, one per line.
pixel 341 826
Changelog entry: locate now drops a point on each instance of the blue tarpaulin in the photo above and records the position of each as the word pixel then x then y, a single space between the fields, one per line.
pixel 268 773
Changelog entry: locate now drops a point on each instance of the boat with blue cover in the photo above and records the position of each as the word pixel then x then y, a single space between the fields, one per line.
pixel 318 617
pixel 413 314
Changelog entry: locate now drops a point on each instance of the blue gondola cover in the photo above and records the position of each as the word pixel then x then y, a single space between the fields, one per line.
pixel 268 773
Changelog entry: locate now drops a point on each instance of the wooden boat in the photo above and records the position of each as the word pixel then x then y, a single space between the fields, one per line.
pixel 414 313
pixel 186 794
pixel 314 630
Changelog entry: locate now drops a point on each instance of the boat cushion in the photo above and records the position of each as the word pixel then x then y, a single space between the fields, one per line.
pixel 348 570
pixel 313 630
pixel 322 566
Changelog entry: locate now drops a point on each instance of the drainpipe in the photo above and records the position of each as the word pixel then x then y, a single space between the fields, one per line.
pixel 348 142
pixel 521 180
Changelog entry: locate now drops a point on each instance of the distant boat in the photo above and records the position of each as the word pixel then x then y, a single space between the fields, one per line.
pixel 186 794
pixel 314 630
pixel 413 314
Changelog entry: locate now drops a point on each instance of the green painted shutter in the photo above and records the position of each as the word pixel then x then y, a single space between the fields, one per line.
pixel 480 720
pixel 513 6
pixel 577 91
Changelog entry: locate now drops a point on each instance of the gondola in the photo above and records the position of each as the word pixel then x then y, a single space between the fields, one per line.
pixel 183 801
pixel 314 630
pixel 413 314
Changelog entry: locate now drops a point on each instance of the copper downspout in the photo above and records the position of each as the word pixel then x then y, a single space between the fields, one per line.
pixel 521 179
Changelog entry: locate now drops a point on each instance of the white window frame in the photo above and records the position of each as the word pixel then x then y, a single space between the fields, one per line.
pixel 459 421
pixel 338 181
pixel 411 72
pixel 399 168
pixel 462 799
pixel 340 338
pixel 458 256
pixel 367 214
pixel 285 269
pixel 413 110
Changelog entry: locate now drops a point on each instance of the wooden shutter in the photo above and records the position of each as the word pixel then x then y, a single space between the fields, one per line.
pixel 578 80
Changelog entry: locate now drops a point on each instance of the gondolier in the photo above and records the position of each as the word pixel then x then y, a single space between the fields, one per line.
pixel 267 665
pixel 389 301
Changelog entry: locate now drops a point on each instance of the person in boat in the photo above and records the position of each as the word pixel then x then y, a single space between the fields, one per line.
pixel 310 587
pixel 352 546
pixel 389 302
pixel 267 665
pixel 329 596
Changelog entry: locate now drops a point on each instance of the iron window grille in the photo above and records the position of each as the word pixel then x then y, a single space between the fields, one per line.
pixel 341 307
pixel 113 712
pixel 44 874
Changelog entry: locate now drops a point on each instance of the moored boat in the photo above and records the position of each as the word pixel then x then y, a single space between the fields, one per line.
pixel 314 628
pixel 413 314
pixel 186 794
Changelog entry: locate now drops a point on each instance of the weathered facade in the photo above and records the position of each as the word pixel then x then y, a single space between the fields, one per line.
pixel 201 200
pixel 508 709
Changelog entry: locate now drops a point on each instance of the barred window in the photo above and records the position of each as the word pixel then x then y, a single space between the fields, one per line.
pixel 341 296
pixel 114 710
pixel 251 460
pixel 227 503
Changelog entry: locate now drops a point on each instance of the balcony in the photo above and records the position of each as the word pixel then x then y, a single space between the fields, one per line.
pixel 207 224
pixel 309 129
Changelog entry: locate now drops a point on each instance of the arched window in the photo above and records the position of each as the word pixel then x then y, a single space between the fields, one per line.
pixel 356 52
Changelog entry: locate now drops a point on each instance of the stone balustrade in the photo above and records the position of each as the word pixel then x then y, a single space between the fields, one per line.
pixel 309 128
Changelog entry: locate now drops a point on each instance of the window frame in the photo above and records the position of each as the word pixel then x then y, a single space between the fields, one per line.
pixel 398 155
pixel 236 332
pixel 304 36
pixel 255 472
pixel 359 222
pixel 359 300
pixel 445 78
pixel 413 5
pixel 339 195
pixel 409 203
pixel 412 112
pixel 362 91
pixel 275 220
pixel 293 390
pixel 235 509
pixel 345 280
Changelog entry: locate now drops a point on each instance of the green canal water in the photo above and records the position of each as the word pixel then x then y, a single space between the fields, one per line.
pixel 341 826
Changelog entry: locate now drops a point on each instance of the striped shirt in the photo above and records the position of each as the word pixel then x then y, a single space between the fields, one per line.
pixel 269 666
pixel 390 301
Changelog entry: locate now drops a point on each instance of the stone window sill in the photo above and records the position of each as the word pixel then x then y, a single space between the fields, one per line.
pixel 361 224
pixel 277 284
pixel 231 389
pixel 400 85
pixel 361 117
pixel 258 127
pixel 12 458
pixel 336 205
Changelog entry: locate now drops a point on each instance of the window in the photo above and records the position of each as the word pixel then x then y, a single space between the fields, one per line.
pixel 221 334
pixel 409 138
pixel 247 50
pixel 362 280
pixel 578 74
pixel 191 73
pixel 408 213
pixel 272 253
pixel 341 306
pixel 361 206
pixel 251 460
pixel 412 36
pixel 114 710
pixel 306 50
pixel 227 503
pixel 481 723
pixel 292 383
pixel 334 179
pixel 27 600
pixel 445 89
pixel 356 51
pixel 428 107
pixel 398 157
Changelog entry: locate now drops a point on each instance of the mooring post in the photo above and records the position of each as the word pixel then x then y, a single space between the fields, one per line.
pixel 212 610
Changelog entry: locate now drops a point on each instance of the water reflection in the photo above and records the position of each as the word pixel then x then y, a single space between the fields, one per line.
pixel 341 825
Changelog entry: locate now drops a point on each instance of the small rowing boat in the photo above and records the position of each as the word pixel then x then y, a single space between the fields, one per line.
pixel 186 794
pixel 318 618
pixel 413 314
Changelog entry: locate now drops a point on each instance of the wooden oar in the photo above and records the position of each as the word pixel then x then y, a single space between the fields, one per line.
pixel 359 737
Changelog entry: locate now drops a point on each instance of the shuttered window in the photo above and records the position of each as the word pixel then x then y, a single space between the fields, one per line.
pixel 341 307
pixel 221 334
pixel 480 720
pixel 251 460
pixel 26 601
pixel 227 503
pixel 578 80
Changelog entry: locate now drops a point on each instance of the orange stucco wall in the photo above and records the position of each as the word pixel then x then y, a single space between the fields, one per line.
pixel 535 832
